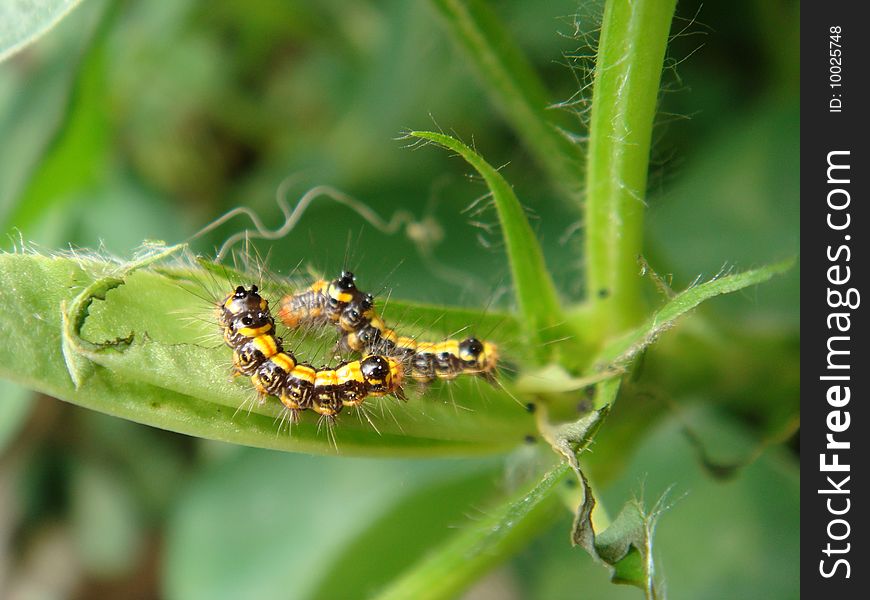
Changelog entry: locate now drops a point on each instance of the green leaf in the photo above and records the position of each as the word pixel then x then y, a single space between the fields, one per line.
pixel 570 439
pixel 77 158
pixel 627 546
pixel 621 351
pixel 36 104
pixel 479 546
pixel 538 302
pixel 150 352
pixel 616 357
pixel 515 88
pixel 22 23
pixel 628 69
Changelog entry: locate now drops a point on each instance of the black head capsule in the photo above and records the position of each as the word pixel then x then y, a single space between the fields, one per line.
pixel 241 293
pixel 374 368
pixel 347 281
pixel 241 301
pixel 470 350
pixel 382 375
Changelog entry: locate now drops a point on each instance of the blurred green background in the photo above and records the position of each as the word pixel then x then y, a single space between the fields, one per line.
pixel 147 120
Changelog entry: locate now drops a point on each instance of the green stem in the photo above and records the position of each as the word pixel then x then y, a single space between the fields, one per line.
pixel 478 547
pixel 627 75
pixel 514 87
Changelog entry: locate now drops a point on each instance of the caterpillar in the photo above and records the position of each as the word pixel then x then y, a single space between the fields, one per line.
pixel 352 311
pixel 248 328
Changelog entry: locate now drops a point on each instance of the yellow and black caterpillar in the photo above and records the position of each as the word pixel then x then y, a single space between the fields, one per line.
pixel 248 328
pixel 340 302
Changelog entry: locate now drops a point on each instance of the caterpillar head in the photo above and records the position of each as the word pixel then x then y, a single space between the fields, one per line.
pixel 244 300
pixel 382 374
pixel 481 357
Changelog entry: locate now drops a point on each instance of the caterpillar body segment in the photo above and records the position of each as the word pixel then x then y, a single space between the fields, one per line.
pixel 306 307
pixel 322 302
pixel 250 353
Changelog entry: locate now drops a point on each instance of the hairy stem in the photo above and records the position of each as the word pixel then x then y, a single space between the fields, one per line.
pixel 627 75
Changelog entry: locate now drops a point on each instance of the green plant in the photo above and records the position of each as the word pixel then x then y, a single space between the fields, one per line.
pixel 120 348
